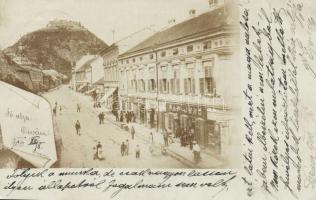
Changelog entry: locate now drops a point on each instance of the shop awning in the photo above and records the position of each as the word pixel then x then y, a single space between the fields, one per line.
pixel 81 87
pixel 89 91
pixel 219 115
pixel 107 94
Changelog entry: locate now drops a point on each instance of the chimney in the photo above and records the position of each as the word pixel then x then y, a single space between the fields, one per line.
pixel 192 13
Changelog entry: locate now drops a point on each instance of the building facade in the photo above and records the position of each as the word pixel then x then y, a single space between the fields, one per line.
pixel 180 79
pixel 110 98
pixel 81 73
pixel 110 57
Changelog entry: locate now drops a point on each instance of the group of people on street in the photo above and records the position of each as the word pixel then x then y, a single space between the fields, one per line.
pixel 125 148
pixel 187 137
pixel 96 105
pixel 127 116
pixel 77 124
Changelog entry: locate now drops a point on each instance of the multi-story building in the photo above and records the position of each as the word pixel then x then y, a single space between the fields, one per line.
pixel 185 77
pixel 110 57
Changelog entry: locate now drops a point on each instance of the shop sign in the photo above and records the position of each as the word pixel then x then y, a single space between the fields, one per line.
pixel 151 104
pixel 199 111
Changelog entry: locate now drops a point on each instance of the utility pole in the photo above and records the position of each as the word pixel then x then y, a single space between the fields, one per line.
pixel 157 85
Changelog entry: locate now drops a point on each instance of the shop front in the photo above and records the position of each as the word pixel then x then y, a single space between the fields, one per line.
pixel 151 110
pixel 140 110
pixel 187 118
pixel 218 130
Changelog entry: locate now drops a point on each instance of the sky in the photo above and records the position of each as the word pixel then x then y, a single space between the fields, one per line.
pixel 18 17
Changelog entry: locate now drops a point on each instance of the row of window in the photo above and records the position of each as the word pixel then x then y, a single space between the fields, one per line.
pixel 172 86
pixel 109 62
pixel 190 48
pixel 190 68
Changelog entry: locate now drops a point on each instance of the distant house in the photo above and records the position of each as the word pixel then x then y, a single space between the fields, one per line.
pixel 52 78
pixel 81 74
pixel 35 73
pixel 12 73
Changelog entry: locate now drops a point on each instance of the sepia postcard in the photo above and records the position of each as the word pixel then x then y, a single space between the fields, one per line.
pixel 156 99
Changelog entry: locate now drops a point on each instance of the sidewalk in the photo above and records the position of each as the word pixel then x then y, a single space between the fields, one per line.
pixel 182 154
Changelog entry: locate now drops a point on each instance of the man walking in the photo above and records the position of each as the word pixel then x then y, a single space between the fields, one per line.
pixel 127 147
pixel 196 151
pixel 151 138
pixel 55 111
pixel 165 137
pixel 100 117
pixel 78 127
pixel 78 108
pixel 133 132
pixel 137 152
pixel 123 147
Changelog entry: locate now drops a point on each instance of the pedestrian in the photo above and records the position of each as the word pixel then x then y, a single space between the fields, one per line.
pixel 121 116
pixel 126 117
pixel 78 108
pixel 165 136
pixel 133 116
pixel 127 147
pixel 56 104
pixel 100 117
pixel 182 140
pixel 178 132
pixel 99 152
pixel 78 127
pixel 196 151
pixel 116 115
pixel 60 109
pixel 54 111
pixel 132 132
pixel 137 151
pixel 123 147
pixel 151 137
pixel 191 139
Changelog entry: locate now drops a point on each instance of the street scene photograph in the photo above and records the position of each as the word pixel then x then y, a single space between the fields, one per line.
pixel 119 84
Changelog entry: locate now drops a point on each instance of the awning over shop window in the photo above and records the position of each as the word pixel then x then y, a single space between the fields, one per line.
pixel 219 115
pixel 81 87
pixel 108 93
pixel 90 91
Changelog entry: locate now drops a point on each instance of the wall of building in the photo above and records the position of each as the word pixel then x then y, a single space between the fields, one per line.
pixel 97 69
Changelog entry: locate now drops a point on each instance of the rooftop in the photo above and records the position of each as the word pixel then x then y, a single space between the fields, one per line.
pixel 205 22
pixel 85 62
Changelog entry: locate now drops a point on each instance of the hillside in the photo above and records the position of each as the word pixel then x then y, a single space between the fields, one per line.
pixel 57 46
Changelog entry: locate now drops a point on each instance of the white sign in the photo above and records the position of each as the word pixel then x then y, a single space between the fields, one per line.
pixel 27 126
